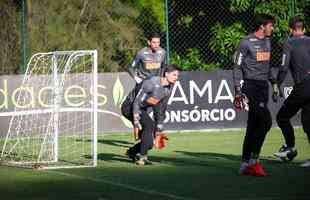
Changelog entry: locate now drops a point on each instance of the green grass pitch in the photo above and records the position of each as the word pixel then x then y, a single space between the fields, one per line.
pixel 193 166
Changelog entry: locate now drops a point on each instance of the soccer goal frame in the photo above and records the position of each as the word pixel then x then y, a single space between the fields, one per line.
pixel 58 133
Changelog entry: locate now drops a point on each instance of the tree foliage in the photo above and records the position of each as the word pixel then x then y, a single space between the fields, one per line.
pixel 202 34
pixel 116 28
pixel 226 38
pixel 108 26
pixel 215 28
pixel 192 61
pixel 10 57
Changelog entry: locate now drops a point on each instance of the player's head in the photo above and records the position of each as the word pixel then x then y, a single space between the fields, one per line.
pixel 264 23
pixel 154 41
pixel 296 24
pixel 171 73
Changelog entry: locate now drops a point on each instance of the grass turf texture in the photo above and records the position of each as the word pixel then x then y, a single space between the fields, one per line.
pixel 193 166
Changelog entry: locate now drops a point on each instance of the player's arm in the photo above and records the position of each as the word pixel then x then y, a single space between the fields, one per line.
pixel 239 57
pixel 159 117
pixel 159 113
pixel 273 70
pixel 146 88
pixel 283 69
pixel 272 74
pixel 132 69
pixel 163 64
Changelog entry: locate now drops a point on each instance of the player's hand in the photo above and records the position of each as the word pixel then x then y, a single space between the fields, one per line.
pixel 136 134
pixel 241 102
pixel 159 141
pixel 238 102
pixel 136 129
pixel 238 99
pixel 138 79
pixel 275 93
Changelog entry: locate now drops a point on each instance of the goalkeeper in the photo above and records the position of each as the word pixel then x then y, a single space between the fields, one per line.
pixel 252 65
pixel 148 62
pixel 152 98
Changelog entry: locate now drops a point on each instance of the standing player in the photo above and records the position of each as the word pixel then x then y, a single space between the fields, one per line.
pixel 148 62
pixel 296 57
pixel 152 97
pixel 252 60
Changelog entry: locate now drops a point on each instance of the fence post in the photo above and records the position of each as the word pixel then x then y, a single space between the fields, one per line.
pixel 167 30
pixel 24 36
pixel 292 8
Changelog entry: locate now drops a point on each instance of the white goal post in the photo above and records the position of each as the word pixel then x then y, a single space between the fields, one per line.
pixel 59 129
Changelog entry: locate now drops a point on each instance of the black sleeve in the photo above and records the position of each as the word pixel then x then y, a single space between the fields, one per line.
pixel 273 74
pixel 286 56
pixel 147 87
pixel 163 65
pixel 133 65
pixel 239 57
pixel 160 113
pixel 273 65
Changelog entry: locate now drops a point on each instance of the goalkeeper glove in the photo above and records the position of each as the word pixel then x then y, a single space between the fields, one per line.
pixel 241 102
pixel 160 138
pixel 275 92
pixel 136 126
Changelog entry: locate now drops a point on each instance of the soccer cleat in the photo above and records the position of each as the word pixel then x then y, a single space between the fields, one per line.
pixel 131 155
pixel 143 161
pixel 259 170
pixel 243 167
pixel 253 170
pixel 306 163
pixel 286 153
pixel 247 170
pixel 159 141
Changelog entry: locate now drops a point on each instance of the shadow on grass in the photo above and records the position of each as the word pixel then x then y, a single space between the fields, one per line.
pixel 218 156
pixel 113 157
pixel 201 159
pixel 118 143
pixel 198 159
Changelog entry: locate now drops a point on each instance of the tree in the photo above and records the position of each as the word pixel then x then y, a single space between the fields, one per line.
pixel 9 37
pixel 215 28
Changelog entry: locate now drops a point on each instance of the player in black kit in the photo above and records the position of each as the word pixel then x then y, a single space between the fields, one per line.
pixel 296 58
pixel 252 64
pixel 148 62
pixel 151 98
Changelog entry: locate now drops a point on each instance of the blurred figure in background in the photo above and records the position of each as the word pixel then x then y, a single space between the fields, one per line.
pixel 296 58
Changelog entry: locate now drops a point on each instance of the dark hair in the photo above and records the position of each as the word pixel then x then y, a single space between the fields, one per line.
pixel 262 19
pixel 296 22
pixel 171 67
pixel 153 35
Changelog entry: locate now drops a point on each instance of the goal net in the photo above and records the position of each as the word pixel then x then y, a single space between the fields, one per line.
pixel 54 124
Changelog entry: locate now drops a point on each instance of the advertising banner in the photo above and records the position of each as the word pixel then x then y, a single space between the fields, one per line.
pixel 199 101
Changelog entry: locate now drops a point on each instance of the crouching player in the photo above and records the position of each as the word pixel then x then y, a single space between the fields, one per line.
pixel 152 98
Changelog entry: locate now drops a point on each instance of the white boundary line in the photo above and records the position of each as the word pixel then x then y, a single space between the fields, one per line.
pixel 126 186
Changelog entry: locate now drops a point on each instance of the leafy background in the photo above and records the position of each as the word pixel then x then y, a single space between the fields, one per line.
pixel 202 34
